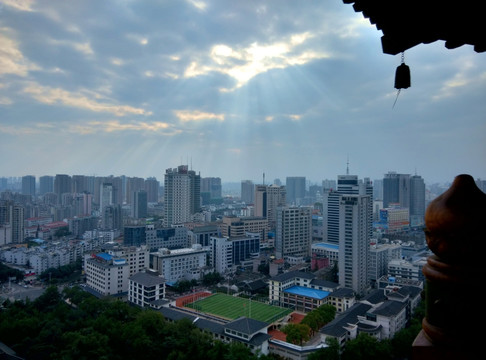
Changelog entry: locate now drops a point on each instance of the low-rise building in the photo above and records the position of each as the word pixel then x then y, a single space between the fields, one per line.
pixel 179 264
pixel 146 288
pixel 105 274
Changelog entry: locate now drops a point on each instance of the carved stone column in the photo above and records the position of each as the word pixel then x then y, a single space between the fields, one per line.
pixel 455 276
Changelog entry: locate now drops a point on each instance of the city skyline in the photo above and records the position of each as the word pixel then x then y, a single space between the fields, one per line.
pixel 233 90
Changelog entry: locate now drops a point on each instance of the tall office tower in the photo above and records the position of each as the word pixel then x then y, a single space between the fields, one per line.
pixel 247 191
pixel 134 184
pixel 346 185
pixel 417 201
pixel 354 244
pixel 139 206
pixel 182 195
pixel 293 235
pixel 151 186
pixel 295 186
pixel 28 185
pixel 211 185
pixel 62 185
pixel 396 189
pixel 46 184
pixel 267 200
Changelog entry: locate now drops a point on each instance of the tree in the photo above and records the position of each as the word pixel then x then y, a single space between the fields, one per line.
pixel 331 352
pixel 366 347
pixel 296 333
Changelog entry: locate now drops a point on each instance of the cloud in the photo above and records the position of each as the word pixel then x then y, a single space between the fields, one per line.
pixel 93 127
pixel 53 96
pixel 196 115
pixel 5 101
pixel 22 5
pixel 12 60
pixel 82 47
pixel 244 63
pixel 200 5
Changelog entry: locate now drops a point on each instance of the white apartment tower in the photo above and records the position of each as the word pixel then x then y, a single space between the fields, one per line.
pixel 182 195
pixel 354 242
pixel 293 236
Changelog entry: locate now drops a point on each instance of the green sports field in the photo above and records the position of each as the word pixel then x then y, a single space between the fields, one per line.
pixel 230 307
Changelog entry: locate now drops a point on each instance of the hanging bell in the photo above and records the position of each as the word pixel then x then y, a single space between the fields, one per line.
pixel 402 77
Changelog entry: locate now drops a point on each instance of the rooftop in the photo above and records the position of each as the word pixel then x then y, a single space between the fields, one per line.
pixel 307 292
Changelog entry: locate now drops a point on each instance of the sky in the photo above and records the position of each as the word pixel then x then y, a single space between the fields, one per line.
pixel 234 89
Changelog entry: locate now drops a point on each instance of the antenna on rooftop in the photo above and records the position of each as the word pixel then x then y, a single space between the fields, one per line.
pixel 347 166
pixel 263 178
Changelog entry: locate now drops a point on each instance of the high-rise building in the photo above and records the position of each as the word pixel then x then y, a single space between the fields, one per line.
pixel 139 207
pixel 293 235
pixel 348 185
pixel 354 242
pixel 267 200
pixel 182 195
pixel 295 186
pixel 28 185
pixel 62 185
pixel 417 201
pixel 133 184
pixel 12 217
pixel 151 186
pixel 112 217
pixel 107 195
pixel 396 189
pixel 212 186
pixel 247 191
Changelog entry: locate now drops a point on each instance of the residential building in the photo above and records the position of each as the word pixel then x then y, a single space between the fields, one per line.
pixel 112 217
pixel 139 204
pixel 46 184
pixel 28 185
pixel 211 186
pixel 295 188
pixel 299 290
pixel 417 201
pixel 235 226
pixel 182 195
pixel 247 191
pixel 379 257
pixel 179 264
pixel 267 200
pixel 394 219
pixel 354 242
pixel 105 274
pixel 62 185
pixel 201 234
pixel 151 186
pixel 293 235
pixel 12 217
pixel 134 235
pixel 170 237
pixel 226 253
pixel 145 288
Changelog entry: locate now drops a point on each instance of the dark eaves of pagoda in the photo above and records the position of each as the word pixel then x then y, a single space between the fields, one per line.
pixel 407 23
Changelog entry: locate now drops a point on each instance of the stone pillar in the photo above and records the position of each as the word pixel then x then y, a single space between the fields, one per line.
pixel 455 275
